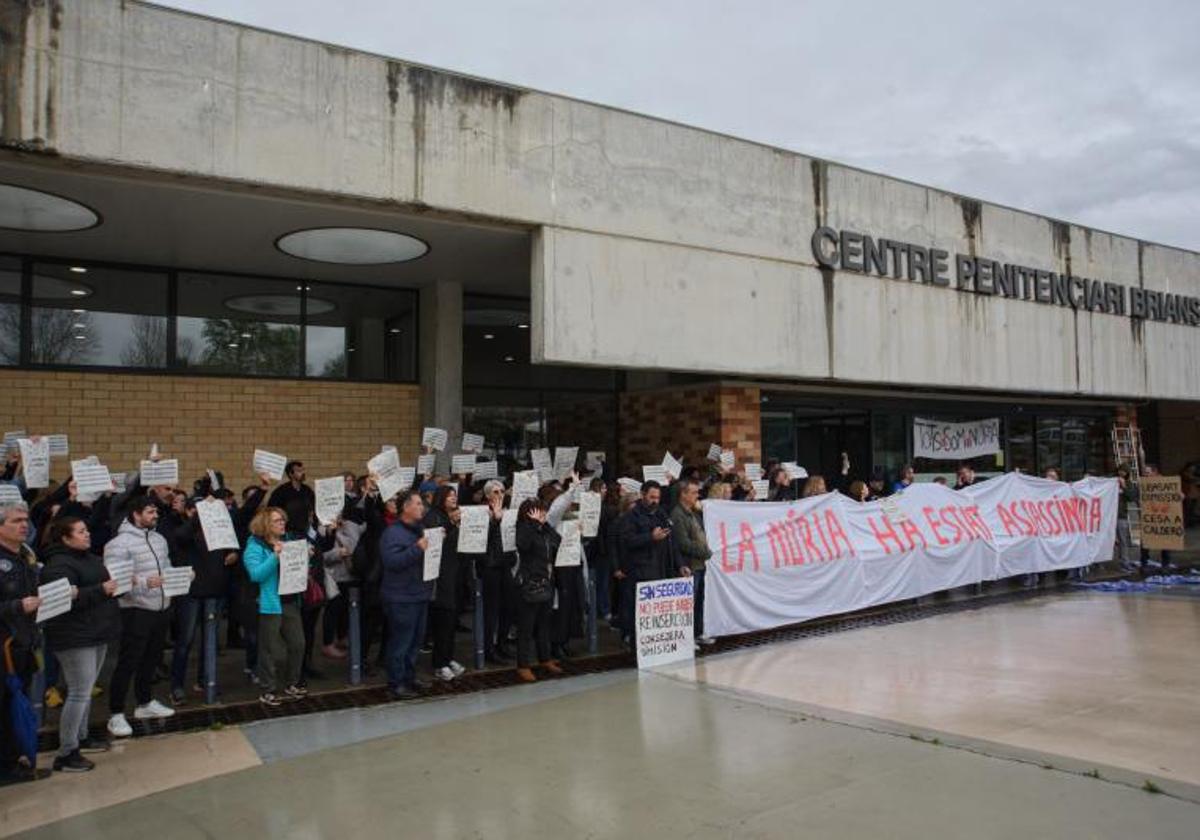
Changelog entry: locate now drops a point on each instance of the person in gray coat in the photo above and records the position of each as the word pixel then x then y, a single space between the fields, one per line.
pixel 687 524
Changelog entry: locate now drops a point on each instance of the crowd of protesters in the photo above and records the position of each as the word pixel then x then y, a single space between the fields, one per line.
pixel 532 610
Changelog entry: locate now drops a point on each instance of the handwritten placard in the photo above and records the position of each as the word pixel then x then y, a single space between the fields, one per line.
pixel 508 530
pixel 589 513
pixel 434 538
pixel 664 618
pixel 473 529
pixel 762 489
pixel 1161 505
pixel 35 461
pixel 542 464
pixel 330 498
pixel 564 461
pixel 570 550
pixel 293 567
pixel 268 463
pixel 216 525
pixel 426 463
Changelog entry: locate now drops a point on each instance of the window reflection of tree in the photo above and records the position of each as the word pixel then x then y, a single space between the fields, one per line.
pixel 62 337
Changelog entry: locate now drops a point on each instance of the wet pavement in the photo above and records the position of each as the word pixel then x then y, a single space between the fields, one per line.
pixel 1041 718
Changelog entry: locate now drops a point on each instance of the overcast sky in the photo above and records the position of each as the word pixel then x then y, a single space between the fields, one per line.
pixel 1086 111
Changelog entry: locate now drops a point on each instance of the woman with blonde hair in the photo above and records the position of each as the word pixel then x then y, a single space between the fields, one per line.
pixel 814 485
pixel 280 629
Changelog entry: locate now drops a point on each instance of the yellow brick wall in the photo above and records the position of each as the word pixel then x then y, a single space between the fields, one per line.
pixel 212 422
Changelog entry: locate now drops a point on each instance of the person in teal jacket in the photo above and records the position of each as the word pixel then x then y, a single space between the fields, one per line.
pixel 280 631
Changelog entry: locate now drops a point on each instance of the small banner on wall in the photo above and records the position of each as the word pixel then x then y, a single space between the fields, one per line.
pixel 955 441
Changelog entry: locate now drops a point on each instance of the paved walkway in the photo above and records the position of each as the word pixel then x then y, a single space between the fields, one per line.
pixel 980 724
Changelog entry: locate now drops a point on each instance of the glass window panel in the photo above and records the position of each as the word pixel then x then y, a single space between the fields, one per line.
pixel 510 431
pixel 1049 444
pixel 778 438
pixel 10 311
pixel 358 332
pixel 238 325
pixel 1020 445
pixel 1075 446
pixel 889 442
pixel 98 316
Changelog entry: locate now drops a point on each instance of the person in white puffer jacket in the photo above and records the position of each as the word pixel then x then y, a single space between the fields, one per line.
pixel 144 615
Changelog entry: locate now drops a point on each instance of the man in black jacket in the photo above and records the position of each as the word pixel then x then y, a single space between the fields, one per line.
pixel 296 498
pixel 19 603
pixel 648 550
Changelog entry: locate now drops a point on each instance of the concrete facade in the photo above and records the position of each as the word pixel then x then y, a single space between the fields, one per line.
pixel 651 237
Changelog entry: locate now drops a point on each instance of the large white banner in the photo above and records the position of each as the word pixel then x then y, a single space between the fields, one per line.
pixel 779 563
pixel 955 441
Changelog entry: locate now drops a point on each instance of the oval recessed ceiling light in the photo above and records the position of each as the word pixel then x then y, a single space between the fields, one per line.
pixel 278 305
pixel 351 245
pixel 522 326
pixel 24 209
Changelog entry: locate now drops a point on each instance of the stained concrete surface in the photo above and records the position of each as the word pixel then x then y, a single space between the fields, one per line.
pixel 724 748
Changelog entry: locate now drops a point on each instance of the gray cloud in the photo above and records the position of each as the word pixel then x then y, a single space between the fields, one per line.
pixel 1086 111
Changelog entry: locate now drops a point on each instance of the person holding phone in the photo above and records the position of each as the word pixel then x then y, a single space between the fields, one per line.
pixel 648 549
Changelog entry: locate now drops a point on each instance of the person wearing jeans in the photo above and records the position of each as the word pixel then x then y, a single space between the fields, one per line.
pixel 144 615
pixel 280 631
pixel 80 637
pixel 688 525
pixel 405 594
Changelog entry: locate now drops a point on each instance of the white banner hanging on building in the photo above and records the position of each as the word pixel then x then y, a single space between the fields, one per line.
pixel 954 441
pixel 783 562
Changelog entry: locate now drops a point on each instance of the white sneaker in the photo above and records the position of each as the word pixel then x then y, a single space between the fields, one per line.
pixel 153 709
pixel 457 669
pixel 706 640
pixel 444 674
pixel 118 727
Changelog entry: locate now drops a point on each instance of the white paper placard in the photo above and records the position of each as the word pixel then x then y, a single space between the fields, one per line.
pixel 176 580
pixel 386 468
pixel 472 443
pixel 10 494
pixel 570 550
pixel 714 453
pixel 589 513
pixel 654 472
pixel 216 525
pixel 59 445
pixel 473 529
pixel 564 460
pixel 331 498
pixel 664 616
pixel 754 472
pixel 11 438
pixel 434 538
pixel 794 471
pixel 408 475
pixel 92 459
pixel 122 572
pixel 119 480
pixel 426 463
pixel 630 485
pixel 293 567
pixel 508 530
pixel 594 461
pixel 91 479
pixel 435 439
pixel 462 464
pixel 56 599
pixel 213 481
pixel 728 460
pixel 762 489
pixel 525 486
pixel 269 463
pixel 672 466
pixel 154 473
pixel 387 447
pixel 485 470
pixel 542 464
pixel 35 461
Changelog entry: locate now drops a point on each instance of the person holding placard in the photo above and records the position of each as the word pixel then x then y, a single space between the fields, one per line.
pixel 781 490
pixel 648 550
pixel 19 604
pixel 496 573
pixel 405 594
pixel 280 630
pixel 537 544
pixel 144 615
pixel 443 612
pixel 296 498
pixel 688 522
pixel 80 637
